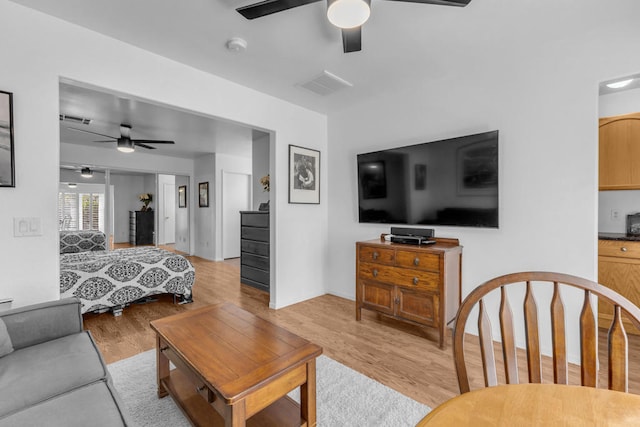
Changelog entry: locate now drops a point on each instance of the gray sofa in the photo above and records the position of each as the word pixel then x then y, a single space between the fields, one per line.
pixel 55 375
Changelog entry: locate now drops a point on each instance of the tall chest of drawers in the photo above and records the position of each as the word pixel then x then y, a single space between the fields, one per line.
pixel 415 284
pixel 254 249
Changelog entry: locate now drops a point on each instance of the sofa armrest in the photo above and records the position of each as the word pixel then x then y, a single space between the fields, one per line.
pixel 37 323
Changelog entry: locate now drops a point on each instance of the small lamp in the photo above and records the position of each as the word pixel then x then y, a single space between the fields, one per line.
pixel 348 13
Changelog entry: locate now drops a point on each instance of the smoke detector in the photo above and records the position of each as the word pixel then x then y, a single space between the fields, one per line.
pixel 237 45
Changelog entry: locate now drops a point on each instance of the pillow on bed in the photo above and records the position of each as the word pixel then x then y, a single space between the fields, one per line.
pixel 5 340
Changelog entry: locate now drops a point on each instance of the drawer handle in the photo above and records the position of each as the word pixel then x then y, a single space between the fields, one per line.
pixel 623 249
pixel 416 261
pixel 415 280
pixel 375 255
pixel 375 273
pixel 165 348
pixel 201 388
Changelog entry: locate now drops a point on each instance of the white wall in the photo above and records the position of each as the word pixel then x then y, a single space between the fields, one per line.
pixel 36 55
pixel 260 168
pixel 204 167
pixel 126 189
pixel 543 98
pixel 623 102
pixel 182 217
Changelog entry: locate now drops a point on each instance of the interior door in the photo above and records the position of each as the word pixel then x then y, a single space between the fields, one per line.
pixel 169 207
pixel 236 197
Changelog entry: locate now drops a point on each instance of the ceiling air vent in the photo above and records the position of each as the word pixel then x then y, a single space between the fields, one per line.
pixel 74 119
pixel 325 84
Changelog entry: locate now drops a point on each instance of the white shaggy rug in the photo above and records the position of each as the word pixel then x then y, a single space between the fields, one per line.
pixel 345 398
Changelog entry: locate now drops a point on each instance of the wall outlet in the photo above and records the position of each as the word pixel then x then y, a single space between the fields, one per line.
pixel 615 214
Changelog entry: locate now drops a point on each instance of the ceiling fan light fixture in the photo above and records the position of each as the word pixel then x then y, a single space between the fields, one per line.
pixel 72 185
pixel 86 173
pixel 125 145
pixel 348 13
pixel 619 84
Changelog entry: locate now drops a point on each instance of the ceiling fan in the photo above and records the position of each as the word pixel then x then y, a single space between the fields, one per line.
pixel 348 15
pixel 125 143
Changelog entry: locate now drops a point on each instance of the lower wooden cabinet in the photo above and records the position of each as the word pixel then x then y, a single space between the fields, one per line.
pixel 415 284
pixel 619 269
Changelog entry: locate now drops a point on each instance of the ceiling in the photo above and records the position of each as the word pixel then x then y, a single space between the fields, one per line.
pixel 402 41
pixel 405 46
pixel 193 134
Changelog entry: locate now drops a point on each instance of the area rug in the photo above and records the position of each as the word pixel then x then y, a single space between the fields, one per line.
pixel 344 397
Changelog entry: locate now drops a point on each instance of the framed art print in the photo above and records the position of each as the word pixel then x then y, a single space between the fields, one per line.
pixel 7 172
pixel 203 194
pixel 304 175
pixel 182 196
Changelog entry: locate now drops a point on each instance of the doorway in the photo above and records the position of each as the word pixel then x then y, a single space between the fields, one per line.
pixel 236 197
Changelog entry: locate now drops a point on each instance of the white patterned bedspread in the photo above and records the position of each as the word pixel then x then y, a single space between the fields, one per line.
pixel 105 279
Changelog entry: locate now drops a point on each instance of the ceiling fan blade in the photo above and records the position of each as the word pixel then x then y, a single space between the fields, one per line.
pixel 94 133
pixel 137 144
pixel 460 3
pixel 268 7
pixel 103 141
pixel 151 141
pixel 352 39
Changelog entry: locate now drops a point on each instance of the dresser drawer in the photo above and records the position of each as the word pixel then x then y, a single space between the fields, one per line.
pixel 255 220
pixel 619 248
pixel 257 234
pixel 400 276
pixel 376 254
pixel 418 260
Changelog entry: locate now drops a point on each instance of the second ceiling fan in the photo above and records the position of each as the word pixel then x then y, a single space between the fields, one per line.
pixel 125 143
pixel 348 15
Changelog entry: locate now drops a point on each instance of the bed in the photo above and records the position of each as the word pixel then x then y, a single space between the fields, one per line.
pixel 111 280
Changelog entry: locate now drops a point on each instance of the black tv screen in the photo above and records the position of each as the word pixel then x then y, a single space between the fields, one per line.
pixel 447 182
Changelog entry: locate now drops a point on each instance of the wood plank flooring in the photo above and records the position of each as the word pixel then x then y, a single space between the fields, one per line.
pixel 393 353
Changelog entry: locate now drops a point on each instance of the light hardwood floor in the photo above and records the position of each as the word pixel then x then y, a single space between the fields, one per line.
pixel 397 355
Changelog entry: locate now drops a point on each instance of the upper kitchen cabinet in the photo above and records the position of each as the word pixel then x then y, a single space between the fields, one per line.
pixel 619 167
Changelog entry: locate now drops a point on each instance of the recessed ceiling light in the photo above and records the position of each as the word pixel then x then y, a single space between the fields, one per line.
pixel 619 84
pixel 72 185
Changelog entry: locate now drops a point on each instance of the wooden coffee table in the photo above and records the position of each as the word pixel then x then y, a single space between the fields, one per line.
pixel 234 368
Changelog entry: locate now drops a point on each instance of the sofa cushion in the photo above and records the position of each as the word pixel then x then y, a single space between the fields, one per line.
pixel 33 374
pixel 93 405
pixel 5 340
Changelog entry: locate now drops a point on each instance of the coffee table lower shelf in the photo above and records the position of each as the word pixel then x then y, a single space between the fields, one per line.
pixel 284 412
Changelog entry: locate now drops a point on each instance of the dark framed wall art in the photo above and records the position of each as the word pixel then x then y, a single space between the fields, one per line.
pixel 304 175
pixel 182 196
pixel 7 171
pixel 203 194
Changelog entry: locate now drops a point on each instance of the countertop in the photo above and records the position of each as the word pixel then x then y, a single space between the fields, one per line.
pixel 618 236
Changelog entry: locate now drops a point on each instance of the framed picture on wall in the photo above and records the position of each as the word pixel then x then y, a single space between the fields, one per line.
pixel 203 194
pixel 7 172
pixel 182 196
pixel 304 175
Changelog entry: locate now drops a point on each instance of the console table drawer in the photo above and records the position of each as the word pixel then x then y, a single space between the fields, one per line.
pixel 378 255
pixel 418 260
pixel 400 276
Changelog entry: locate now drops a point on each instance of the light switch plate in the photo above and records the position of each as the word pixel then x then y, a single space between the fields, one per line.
pixel 24 227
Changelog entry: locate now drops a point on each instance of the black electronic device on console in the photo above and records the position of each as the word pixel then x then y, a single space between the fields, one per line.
pixel 412 240
pixel 415 232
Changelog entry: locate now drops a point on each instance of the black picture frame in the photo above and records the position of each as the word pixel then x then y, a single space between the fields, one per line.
pixel 7 160
pixel 182 196
pixel 203 194
pixel 304 175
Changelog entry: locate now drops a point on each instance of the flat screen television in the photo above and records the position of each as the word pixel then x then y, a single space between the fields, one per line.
pixel 452 182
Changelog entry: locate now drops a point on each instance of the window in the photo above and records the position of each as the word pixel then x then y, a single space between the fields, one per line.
pixel 81 211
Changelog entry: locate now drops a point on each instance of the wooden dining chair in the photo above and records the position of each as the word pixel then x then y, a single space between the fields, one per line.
pixel 617 336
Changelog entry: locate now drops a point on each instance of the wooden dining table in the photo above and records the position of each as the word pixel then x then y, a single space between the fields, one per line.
pixel 537 405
